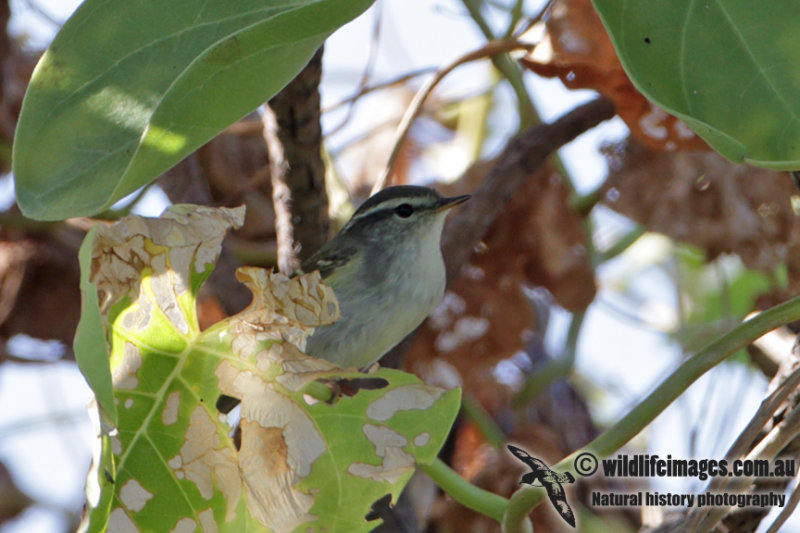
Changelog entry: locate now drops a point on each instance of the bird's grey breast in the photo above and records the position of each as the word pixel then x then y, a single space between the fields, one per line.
pixel 387 301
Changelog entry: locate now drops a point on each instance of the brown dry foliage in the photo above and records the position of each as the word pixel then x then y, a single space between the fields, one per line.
pixel 703 199
pixel 577 50
pixel 487 318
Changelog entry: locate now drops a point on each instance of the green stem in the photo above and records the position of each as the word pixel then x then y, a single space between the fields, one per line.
pixel 694 367
pixel 624 242
pixel 517 511
pixel 513 513
pixel 486 424
pixel 640 416
pixel 508 68
pixel 516 16
pixel 528 115
pixel 474 8
pixel 475 498
pixel 573 333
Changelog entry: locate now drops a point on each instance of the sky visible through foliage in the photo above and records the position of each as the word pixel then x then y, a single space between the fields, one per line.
pixel 621 356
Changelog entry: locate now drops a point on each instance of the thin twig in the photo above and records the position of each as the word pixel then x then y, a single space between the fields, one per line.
pixel 672 387
pixel 743 442
pixel 377 87
pixel 767 409
pixel 44 14
pixel 788 509
pixel 370 65
pixel 543 12
pixel 768 448
pixel 528 116
pixel 391 122
pixel 488 50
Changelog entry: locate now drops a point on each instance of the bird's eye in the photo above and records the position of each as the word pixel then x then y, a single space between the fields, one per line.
pixel 404 210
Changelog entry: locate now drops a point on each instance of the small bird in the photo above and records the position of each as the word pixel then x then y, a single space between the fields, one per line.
pixel 387 271
pixel 386 268
pixel 549 479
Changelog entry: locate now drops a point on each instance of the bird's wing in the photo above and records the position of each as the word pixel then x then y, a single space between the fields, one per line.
pixel 327 261
pixel 559 499
pixel 535 464
pixel 558 477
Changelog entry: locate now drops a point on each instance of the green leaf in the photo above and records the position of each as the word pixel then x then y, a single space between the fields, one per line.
pixel 715 296
pixel 301 464
pixel 90 346
pixel 729 69
pixel 128 89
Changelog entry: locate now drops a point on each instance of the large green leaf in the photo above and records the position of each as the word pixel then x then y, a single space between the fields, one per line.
pixel 129 88
pixel 301 464
pixel 729 68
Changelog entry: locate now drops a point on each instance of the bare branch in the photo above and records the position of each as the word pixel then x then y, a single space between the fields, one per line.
pixel 294 136
pixel 788 509
pixel 490 49
pixel 523 155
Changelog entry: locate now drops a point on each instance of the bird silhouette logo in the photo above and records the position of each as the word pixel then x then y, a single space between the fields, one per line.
pixel 549 479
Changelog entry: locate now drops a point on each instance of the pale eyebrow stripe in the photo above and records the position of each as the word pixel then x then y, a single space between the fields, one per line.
pixel 389 205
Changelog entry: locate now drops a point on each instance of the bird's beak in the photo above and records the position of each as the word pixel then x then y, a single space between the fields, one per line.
pixel 448 203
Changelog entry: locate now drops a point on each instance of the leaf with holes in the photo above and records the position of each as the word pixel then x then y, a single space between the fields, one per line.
pixel 299 464
pixel 128 89
pixel 730 70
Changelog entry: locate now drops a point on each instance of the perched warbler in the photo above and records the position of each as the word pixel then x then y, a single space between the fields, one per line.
pixel 387 271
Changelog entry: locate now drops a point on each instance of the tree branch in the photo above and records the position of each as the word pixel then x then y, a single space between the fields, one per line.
pixel 523 155
pixel 490 49
pixel 298 172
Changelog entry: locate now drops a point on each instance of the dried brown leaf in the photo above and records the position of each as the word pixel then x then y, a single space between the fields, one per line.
pixel 703 199
pixel 577 50
pixel 485 316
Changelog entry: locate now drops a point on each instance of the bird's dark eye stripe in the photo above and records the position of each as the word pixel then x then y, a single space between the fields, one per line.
pixel 404 210
pixel 380 212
